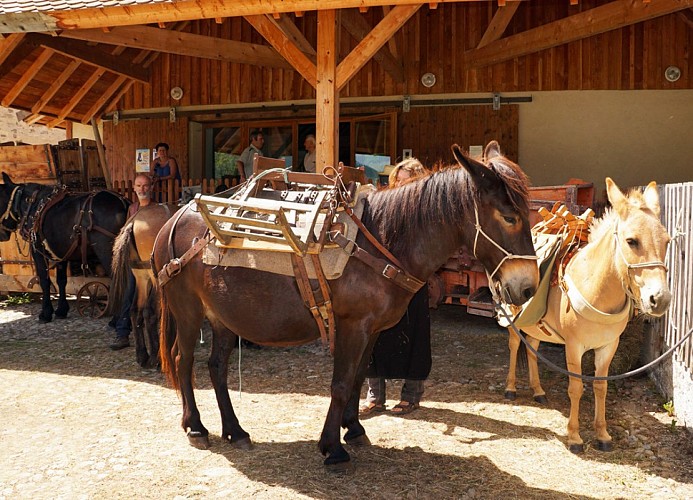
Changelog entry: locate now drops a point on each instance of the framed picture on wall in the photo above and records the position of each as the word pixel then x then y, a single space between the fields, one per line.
pixel 142 160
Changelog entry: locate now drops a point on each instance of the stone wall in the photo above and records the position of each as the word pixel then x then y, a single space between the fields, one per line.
pixel 13 129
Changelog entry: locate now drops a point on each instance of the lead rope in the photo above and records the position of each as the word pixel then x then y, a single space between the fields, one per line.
pixel 591 378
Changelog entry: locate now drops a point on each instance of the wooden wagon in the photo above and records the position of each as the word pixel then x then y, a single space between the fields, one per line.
pixel 71 163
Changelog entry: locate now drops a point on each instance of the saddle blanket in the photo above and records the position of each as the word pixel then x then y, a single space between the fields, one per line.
pixel 333 258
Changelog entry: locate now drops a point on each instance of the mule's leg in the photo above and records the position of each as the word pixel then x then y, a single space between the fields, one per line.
pixel 573 357
pixel 137 316
pixel 602 360
pixel 188 330
pixel 356 433
pixel 46 314
pixel 511 380
pixel 223 342
pixel 61 279
pixel 533 369
pixel 350 347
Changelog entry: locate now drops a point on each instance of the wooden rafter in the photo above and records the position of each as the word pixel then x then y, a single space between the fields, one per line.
pixel 166 12
pixel 591 22
pixel 28 75
pixel 103 98
pixel 295 35
pixel 55 86
pixel 373 42
pixel 185 44
pixel 8 45
pixel 392 42
pixel 499 23
pixel 15 54
pixel 687 17
pixel 91 55
pixel 270 30
pixel 86 87
pixel 355 24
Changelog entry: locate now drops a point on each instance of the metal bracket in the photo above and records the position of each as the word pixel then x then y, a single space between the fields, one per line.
pixel 496 101
pixel 116 116
pixel 172 115
pixel 406 104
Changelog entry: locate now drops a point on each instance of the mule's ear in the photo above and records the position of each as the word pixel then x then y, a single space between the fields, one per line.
pixel 651 196
pixel 6 178
pixel 617 199
pixel 492 150
pixel 475 169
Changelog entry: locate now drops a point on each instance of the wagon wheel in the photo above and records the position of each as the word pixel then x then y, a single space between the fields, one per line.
pixel 436 291
pixel 92 299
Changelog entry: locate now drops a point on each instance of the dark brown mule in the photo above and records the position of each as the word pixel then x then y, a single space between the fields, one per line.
pixel 132 252
pixel 422 223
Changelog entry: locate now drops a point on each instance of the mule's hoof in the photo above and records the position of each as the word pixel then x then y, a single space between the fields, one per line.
pixel 577 448
pixel 43 319
pixel 198 440
pixel 541 399
pixel 361 440
pixel 243 444
pixel 510 395
pixel 604 445
pixel 60 316
pixel 336 461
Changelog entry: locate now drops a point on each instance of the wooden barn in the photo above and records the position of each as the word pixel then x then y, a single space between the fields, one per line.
pixel 570 88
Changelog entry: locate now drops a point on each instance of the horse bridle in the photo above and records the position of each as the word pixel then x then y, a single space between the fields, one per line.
pixel 627 286
pixel 9 214
pixel 508 255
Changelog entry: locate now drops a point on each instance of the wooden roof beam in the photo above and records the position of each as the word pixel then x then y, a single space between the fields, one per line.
pixel 103 98
pixel 359 28
pixel 8 45
pixel 15 52
pixel 687 17
pixel 607 17
pixel 166 12
pixel 498 24
pixel 270 30
pixel 55 86
pixel 91 55
pixel 28 75
pixel 79 95
pixel 373 42
pixel 185 44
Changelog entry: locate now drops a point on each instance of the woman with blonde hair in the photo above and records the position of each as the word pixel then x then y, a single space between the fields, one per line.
pixel 403 351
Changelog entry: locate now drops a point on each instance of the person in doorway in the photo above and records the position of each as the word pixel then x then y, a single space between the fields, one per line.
pixel 310 157
pixel 403 351
pixel 122 322
pixel 244 164
pixel 165 168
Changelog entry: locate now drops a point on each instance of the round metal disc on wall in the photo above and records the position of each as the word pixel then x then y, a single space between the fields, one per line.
pixel 428 80
pixel 176 93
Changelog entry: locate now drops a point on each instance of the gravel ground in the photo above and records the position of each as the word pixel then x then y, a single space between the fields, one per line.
pixel 81 421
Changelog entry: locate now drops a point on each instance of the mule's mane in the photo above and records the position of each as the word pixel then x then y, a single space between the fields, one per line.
pixel 445 197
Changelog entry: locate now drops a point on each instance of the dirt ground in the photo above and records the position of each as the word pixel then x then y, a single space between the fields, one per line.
pixel 81 421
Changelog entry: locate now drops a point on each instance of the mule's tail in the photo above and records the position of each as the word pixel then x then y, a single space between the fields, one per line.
pixel 120 269
pixel 167 343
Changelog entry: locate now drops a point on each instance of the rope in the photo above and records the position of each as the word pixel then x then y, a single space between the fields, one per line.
pixel 589 378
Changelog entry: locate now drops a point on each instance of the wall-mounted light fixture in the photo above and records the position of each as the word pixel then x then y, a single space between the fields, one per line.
pixel 672 73
pixel 176 93
pixel 428 80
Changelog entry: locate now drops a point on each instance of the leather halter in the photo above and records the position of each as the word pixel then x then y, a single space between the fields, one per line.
pixel 508 255
pixel 582 306
pixel 9 213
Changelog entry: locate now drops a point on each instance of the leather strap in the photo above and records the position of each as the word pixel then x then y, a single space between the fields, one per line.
pixel 176 264
pixel 326 298
pixel 307 295
pixel 372 238
pixel 393 273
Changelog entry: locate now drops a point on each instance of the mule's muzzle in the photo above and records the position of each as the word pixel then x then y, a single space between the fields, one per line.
pixel 519 281
pixel 655 303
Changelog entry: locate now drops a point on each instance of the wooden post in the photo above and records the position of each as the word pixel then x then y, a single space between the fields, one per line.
pixel 327 95
pixel 102 154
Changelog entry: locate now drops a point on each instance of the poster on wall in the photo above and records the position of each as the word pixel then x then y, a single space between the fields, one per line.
pixel 142 160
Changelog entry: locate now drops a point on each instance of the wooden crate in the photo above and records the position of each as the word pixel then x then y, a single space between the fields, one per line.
pixel 30 163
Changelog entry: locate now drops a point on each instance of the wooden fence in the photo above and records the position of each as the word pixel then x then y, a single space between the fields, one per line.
pixel 172 191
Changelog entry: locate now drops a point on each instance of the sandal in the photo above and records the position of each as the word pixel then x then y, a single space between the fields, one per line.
pixel 404 407
pixel 368 408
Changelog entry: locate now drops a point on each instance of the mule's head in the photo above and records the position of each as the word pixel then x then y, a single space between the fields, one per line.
pixel 8 220
pixel 641 246
pixel 503 242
